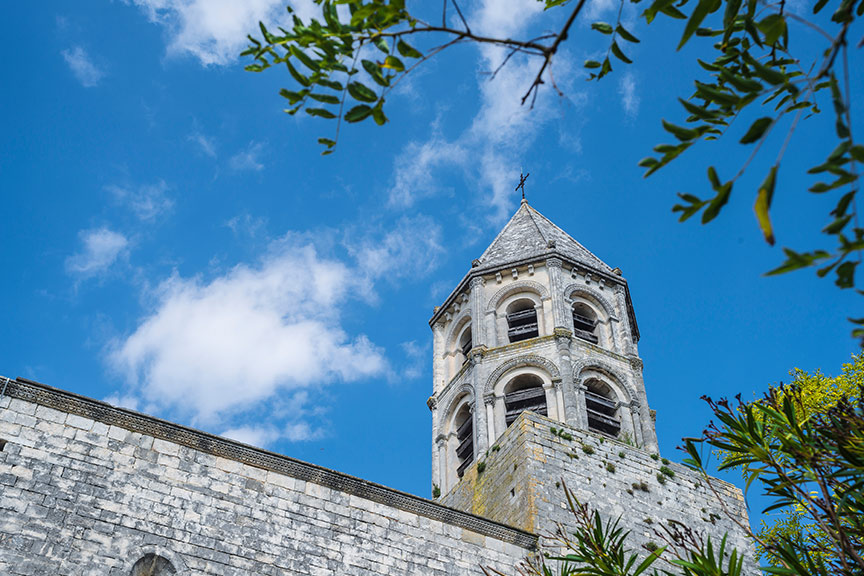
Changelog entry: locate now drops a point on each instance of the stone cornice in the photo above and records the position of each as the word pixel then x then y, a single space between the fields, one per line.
pixel 71 403
pixel 480 271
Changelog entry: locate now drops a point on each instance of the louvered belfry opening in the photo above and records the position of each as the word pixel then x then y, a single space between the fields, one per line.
pixel 465 343
pixel 464 439
pixel 585 323
pixel 524 393
pixel 602 409
pixel 521 321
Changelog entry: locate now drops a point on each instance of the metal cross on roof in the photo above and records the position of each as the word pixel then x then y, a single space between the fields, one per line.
pixel 521 184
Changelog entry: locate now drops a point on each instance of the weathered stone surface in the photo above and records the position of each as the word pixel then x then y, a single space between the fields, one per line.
pixel 70 506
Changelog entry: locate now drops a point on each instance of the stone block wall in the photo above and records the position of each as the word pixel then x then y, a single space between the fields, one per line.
pixel 529 463
pixel 86 488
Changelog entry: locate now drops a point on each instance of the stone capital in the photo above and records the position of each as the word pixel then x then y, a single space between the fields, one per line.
pixel 432 402
pixel 477 281
pixel 554 263
pixel 440 439
pixel 488 399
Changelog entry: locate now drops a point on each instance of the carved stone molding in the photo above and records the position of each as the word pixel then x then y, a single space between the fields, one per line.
pixel 522 362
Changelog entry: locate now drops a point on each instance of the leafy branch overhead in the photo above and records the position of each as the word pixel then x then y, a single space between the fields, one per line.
pixel 345 64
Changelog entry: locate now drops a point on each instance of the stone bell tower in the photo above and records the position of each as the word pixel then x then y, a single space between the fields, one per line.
pixel 539 324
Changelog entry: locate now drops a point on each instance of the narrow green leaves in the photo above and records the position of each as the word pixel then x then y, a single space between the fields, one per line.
pixel 361 92
pixel 374 71
pixel 763 204
pixel 703 8
pixel 602 27
pixel 756 130
pixel 358 113
pixel 407 50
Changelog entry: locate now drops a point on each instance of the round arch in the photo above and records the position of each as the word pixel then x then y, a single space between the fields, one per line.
pixel 592 294
pixel 464 393
pixel 516 288
pixel 456 327
pixel 616 377
pixel 523 361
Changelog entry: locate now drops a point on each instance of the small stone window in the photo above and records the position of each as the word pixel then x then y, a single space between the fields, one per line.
pixel 585 322
pixel 524 392
pixel 521 321
pixel 464 422
pixel 602 408
pixel 152 565
pixel 2 444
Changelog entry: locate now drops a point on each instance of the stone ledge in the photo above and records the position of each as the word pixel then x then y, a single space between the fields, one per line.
pixel 77 405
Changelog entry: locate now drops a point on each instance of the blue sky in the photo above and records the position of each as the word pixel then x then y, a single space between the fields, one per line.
pixel 175 243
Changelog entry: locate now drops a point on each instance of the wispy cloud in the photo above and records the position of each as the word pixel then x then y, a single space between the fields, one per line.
pixel 205 144
pixel 147 202
pixel 411 248
pixel 214 31
pixel 100 249
pixel 630 99
pixel 248 158
pixel 83 67
pixel 213 351
pixel 247 225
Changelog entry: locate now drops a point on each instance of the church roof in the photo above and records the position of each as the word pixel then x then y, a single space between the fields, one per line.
pixel 529 234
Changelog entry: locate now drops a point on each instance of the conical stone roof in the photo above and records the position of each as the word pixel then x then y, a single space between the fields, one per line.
pixel 530 235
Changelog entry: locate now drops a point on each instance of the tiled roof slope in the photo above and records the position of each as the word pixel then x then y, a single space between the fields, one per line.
pixel 528 234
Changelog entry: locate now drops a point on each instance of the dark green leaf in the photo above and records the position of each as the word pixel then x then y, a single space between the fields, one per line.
pixel 374 71
pixel 327 142
pixel 592 64
pixel 626 35
pixel 616 50
pixel 358 113
pixel 857 153
pixel 838 225
pixel 361 92
pixel 304 58
pixel 763 205
pixel 683 134
pixel 714 94
pixel 300 78
pixel 698 111
pixel 293 97
pixel 321 112
pixel 703 8
pixel 756 130
pixel 846 275
pixel 381 44
pixel 407 50
pixel 393 63
pixel 325 98
pixel 773 27
pixel 378 114
pixel 717 203
pixel 602 27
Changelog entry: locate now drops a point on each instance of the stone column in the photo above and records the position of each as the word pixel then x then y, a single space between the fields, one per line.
pixel 489 402
pixel 481 439
pixel 569 399
pixel 646 420
pixel 559 315
pixel 441 479
pixel 478 318
pixel 624 334
pixel 437 357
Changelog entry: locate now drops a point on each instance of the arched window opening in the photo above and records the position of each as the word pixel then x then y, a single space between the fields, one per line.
pixel 585 322
pixel 152 565
pixel 521 321
pixel 465 343
pixel 525 392
pixel 464 422
pixel 602 409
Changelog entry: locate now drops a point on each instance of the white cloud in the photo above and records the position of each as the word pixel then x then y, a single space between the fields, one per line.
pixel 101 248
pixel 215 350
pixel 207 145
pixel 147 202
pixel 247 159
pixel 247 225
pixel 503 129
pixel 83 67
pixel 629 97
pixel 214 31
pixel 410 249
pixel 416 356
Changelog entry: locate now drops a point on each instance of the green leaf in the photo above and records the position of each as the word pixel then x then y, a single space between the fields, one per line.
pixel 321 112
pixel 325 98
pixel 837 226
pixel 381 44
pixel 773 27
pixel 626 35
pixel 304 58
pixel 756 130
pixel 361 92
pixel 763 205
pixel 293 97
pixel 602 27
pixel 300 78
pixel 332 84
pixel 717 203
pixel 327 142
pixel 714 94
pixel 592 64
pixel 770 75
pixel 857 153
pixel 703 8
pixel 683 134
pixel 714 178
pixel 378 114
pixel 740 83
pixel 846 275
pixel 358 113
pixel 407 50
pixel 819 5
pixel 374 71
pixel 393 63
pixel 697 111
pixel 616 50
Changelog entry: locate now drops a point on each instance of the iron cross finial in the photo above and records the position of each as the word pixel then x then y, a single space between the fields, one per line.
pixel 521 185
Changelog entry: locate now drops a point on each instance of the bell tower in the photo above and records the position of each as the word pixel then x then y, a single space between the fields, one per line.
pixel 538 324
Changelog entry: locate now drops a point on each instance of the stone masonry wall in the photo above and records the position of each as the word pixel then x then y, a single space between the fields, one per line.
pixel 86 488
pixel 529 462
